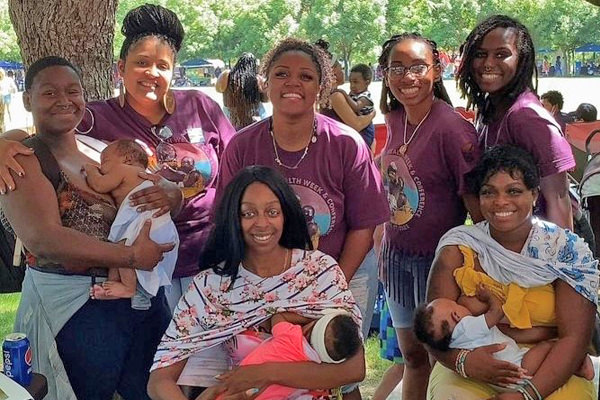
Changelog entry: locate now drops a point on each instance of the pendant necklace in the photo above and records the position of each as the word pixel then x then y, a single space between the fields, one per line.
pixel 313 139
pixel 405 144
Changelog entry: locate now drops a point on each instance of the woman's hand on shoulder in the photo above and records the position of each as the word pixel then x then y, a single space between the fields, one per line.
pixel 163 196
pixel 147 253
pixel 8 150
pixel 480 364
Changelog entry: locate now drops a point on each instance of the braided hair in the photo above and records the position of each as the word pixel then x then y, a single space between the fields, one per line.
pixel 151 20
pixel 319 57
pixel 525 77
pixel 388 102
pixel 242 96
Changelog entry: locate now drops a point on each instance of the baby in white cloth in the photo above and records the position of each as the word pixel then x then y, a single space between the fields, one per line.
pixel 444 324
pixel 118 174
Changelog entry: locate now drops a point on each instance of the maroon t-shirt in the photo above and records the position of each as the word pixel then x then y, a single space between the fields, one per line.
pixel 187 146
pixel 425 184
pixel 337 182
pixel 529 125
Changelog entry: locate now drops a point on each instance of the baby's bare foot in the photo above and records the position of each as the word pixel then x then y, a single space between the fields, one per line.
pixel 97 292
pixel 118 290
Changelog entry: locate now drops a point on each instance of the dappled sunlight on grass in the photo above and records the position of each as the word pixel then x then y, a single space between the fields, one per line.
pixel 376 367
pixel 8 309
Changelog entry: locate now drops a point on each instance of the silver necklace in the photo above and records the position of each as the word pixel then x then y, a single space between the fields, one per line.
pixel 405 144
pixel 313 139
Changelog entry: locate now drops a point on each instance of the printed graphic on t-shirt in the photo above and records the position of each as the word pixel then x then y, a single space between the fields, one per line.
pixel 318 208
pixel 186 164
pixel 404 189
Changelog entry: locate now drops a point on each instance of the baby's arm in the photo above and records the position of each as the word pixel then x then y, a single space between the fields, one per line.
pixel 354 105
pixel 290 317
pixel 494 314
pixel 103 183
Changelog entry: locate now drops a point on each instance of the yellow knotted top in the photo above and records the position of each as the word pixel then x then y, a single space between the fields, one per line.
pixel 523 307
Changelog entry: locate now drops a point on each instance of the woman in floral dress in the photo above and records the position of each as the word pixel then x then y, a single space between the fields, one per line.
pixel 256 264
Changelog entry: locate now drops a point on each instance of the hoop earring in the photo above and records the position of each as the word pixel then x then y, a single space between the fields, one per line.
pixel 169 102
pixel 92 124
pixel 122 93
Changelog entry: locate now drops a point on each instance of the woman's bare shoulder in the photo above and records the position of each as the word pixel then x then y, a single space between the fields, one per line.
pixel 450 255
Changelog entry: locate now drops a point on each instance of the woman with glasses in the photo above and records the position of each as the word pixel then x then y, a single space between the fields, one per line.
pixel 497 77
pixel 429 149
pixel 184 131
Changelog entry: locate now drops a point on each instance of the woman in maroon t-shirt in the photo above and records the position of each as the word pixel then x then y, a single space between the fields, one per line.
pixel 497 77
pixel 429 149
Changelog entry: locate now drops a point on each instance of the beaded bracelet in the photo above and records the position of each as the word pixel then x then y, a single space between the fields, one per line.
pixel 459 364
pixel 538 396
pixel 525 393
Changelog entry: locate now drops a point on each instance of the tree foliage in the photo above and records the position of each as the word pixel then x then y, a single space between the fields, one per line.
pixel 9 50
pixel 355 28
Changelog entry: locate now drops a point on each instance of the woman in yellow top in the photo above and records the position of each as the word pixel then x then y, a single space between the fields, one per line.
pixel 541 272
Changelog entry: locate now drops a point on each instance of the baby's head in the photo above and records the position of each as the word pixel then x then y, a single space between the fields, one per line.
pixel 123 151
pixel 360 78
pixel 435 322
pixel 335 337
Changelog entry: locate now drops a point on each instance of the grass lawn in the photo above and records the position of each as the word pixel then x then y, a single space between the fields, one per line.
pixel 375 365
pixel 8 309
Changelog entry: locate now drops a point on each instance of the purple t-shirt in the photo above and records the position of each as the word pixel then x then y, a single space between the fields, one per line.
pixel 198 133
pixel 425 184
pixel 529 125
pixel 337 182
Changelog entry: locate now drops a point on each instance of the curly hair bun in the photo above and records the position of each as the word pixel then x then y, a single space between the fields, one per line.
pixel 152 19
pixel 322 43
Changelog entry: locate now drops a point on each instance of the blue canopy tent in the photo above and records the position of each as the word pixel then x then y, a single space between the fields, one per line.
pixel 196 63
pixel 11 65
pixel 588 48
pixel 544 51
pixel 196 72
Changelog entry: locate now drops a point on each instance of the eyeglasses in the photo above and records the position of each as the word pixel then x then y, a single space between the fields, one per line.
pixel 417 70
pixel 163 133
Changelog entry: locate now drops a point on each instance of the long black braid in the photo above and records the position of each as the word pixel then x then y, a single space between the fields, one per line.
pixel 525 78
pixel 151 20
pixel 388 102
pixel 242 95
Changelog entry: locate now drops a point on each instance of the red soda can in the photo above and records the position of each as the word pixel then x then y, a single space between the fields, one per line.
pixel 17 356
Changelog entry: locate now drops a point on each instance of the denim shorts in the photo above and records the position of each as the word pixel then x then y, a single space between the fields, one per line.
pixel 405 283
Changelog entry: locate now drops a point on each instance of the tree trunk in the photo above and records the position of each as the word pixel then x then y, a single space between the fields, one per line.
pixel 82 31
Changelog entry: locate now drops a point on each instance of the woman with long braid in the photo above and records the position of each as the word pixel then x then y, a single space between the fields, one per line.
pixel 429 148
pixel 242 98
pixel 185 131
pixel 499 78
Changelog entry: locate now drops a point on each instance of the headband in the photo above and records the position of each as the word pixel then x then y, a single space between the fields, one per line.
pixel 317 336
